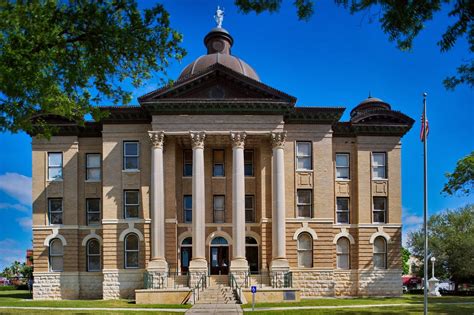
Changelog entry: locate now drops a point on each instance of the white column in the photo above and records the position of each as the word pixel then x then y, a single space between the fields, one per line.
pixel 279 260
pixel 199 211
pixel 157 203
pixel 239 261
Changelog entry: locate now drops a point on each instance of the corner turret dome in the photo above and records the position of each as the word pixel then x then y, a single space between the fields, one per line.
pixel 219 43
pixel 369 104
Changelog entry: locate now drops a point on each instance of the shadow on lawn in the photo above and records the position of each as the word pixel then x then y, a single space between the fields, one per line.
pixel 16 295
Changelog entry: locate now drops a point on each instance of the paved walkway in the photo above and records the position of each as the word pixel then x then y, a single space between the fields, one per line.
pixel 215 309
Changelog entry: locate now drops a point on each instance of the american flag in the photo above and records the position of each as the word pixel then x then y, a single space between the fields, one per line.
pixel 425 128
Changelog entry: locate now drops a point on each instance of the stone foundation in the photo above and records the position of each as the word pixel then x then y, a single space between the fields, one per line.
pixel 90 285
pixel 121 283
pixel 56 285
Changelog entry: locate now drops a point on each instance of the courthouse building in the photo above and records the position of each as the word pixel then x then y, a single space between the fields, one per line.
pixel 220 174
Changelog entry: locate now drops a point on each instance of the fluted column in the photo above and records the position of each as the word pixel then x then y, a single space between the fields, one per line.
pixel 279 261
pixel 158 265
pixel 239 262
pixel 198 262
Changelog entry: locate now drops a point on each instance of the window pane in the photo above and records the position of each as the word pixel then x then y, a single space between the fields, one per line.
pixel 93 218
pixel 55 205
pixel 56 218
pixel 342 203
pixel 248 169
pixel 94 247
pixel 249 216
pixel 304 196
pixel 342 172
pixel 56 247
pixel 93 205
pixel 131 163
pixel 218 170
pixel 304 241
pixel 342 246
pixel 94 263
pixel 55 173
pixel 379 261
pixel 218 216
pixel 131 148
pixel 132 211
pixel 342 217
pixel 379 245
pixel 379 217
pixel 218 202
pixel 188 216
pixel 132 259
pixel 56 263
pixel 93 160
pixel 342 160
pixel 304 211
pixel 306 259
pixel 131 242
pixel 304 163
pixel 378 159
pixel 188 170
pixel 93 173
pixel 379 203
pixel 131 197
pixel 188 202
pixel 378 172
pixel 55 159
pixel 343 261
pixel 248 202
pixel 303 149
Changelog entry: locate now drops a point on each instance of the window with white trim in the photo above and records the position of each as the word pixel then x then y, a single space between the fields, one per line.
pixel 305 250
pixel 342 253
pixel 93 255
pixel 380 253
pixel 131 250
pixel 55 210
pixel 218 167
pixel 303 156
pixel 131 203
pixel 304 203
pixel 55 165
pixel 56 255
pixel 379 165
pixel 342 166
pixel 93 211
pixel 219 209
pixel 248 162
pixel 131 155
pixel 379 209
pixel 93 166
pixel 188 208
pixel 342 210
pixel 249 208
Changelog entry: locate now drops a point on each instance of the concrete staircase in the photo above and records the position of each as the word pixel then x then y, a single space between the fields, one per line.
pixel 217 295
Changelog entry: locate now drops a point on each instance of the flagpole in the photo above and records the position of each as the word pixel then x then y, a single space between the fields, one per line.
pixel 425 206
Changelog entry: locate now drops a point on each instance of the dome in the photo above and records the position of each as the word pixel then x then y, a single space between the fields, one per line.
pixel 368 104
pixel 219 43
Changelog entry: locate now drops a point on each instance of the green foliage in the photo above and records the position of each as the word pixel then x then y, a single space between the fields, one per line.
pixel 450 239
pixel 462 179
pixel 405 258
pixel 61 57
pixel 17 269
pixel 402 21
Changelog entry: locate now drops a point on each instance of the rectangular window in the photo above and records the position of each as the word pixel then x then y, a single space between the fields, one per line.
pixel 342 166
pixel 303 203
pixel 55 209
pixel 249 208
pixel 303 156
pixel 218 166
pixel 187 209
pixel 380 209
pixel 342 210
pixel 379 166
pixel 55 165
pixel 92 166
pixel 248 162
pixel 131 203
pixel 188 163
pixel 219 206
pixel 131 154
pixel 93 211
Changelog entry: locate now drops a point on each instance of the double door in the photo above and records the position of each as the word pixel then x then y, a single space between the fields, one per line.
pixel 219 260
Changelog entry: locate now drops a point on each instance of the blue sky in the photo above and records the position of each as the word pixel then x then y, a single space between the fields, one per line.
pixel 335 59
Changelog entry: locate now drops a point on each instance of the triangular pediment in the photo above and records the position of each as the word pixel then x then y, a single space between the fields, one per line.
pixel 217 83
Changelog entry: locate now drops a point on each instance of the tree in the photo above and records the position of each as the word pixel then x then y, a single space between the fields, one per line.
pixel 462 179
pixel 402 21
pixel 450 238
pixel 405 257
pixel 62 57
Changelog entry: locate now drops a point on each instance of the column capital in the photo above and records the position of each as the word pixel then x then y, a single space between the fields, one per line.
pixel 197 139
pixel 278 139
pixel 238 139
pixel 157 138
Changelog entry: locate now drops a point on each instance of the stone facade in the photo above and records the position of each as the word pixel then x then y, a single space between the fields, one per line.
pixel 243 151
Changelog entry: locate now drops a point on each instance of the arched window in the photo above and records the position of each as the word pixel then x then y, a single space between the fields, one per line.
pixel 131 250
pixel 56 254
pixel 380 253
pixel 342 252
pixel 219 241
pixel 93 255
pixel 305 250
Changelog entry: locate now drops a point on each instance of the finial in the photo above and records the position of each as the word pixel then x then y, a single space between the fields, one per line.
pixel 219 16
pixel 370 95
pixel 425 94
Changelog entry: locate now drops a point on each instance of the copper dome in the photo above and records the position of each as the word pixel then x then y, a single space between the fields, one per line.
pixel 219 43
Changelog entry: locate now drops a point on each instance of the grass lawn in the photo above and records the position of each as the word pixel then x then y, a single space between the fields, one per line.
pixel 23 299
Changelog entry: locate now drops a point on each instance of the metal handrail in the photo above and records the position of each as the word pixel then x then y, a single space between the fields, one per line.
pixel 202 284
pixel 235 286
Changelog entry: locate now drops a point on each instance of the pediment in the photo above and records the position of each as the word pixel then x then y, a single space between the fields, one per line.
pixel 216 83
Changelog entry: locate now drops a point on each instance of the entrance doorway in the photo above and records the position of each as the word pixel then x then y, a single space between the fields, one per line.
pixel 251 254
pixel 186 254
pixel 219 256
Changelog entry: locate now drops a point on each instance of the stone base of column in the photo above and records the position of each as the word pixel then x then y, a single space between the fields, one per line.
pixel 239 268
pixel 432 284
pixel 157 274
pixel 278 270
pixel 197 268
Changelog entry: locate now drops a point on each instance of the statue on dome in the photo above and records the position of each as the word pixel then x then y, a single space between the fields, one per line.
pixel 219 16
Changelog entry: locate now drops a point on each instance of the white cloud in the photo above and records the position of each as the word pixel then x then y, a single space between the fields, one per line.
pixel 16 206
pixel 25 223
pixel 17 186
pixel 412 219
pixel 10 250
